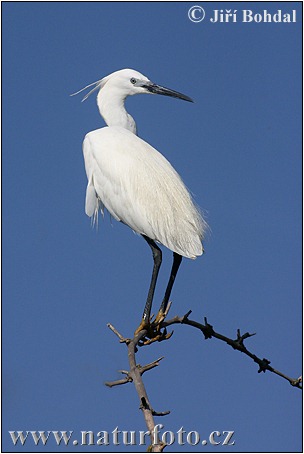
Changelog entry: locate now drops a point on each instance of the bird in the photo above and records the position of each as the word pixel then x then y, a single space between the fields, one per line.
pixel 137 185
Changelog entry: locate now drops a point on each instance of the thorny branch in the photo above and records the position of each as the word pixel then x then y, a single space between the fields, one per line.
pixel 236 344
pixel 135 375
pixel 136 370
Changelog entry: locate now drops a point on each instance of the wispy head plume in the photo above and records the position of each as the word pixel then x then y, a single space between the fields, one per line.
pixel 97 85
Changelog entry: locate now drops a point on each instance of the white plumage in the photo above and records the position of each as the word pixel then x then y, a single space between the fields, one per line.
pixel 132 180
pixel 140 188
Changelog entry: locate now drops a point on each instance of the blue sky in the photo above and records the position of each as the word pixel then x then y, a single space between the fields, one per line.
pixel 238 148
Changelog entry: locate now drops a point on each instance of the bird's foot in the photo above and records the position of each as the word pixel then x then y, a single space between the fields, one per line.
pixel 144 325
pixel 160 317
pixel 154 328
pixel 155 335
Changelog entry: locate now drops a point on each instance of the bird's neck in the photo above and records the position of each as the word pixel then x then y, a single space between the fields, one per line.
pixel 112 109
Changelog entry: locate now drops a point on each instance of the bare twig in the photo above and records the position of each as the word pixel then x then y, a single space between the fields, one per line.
pixel 121 338
pixel 236 344
pixel 143 369
pixel 122 381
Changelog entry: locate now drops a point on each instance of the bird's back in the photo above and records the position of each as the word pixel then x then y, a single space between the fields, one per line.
pixel 140 188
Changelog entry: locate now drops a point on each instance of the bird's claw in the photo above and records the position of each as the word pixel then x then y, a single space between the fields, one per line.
pixel 153 328
pixel 154 334
pixel 144 325
pixel 158 337
pixel 160 317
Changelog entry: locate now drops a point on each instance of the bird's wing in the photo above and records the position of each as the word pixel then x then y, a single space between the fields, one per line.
pixel 91 202
pixel 139 187
pixel 103 178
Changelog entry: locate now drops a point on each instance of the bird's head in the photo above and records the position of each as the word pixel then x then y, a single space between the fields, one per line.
pixel 130 82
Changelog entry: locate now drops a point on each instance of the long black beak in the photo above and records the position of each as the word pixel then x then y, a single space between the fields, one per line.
pixel 159 90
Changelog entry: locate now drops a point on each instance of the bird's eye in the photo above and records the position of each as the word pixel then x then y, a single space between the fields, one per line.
pixel 133 80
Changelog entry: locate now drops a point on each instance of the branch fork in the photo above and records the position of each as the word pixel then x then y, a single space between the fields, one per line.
pixel 158 332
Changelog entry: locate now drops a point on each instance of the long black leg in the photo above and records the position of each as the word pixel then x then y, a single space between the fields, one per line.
pixel 157 257
pixel 177 260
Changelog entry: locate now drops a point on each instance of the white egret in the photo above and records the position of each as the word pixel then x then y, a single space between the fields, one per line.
pixel 136 184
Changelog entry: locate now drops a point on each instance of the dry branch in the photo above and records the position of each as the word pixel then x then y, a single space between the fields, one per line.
pixel 236 344
pixel 136 371
pixel 135 375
